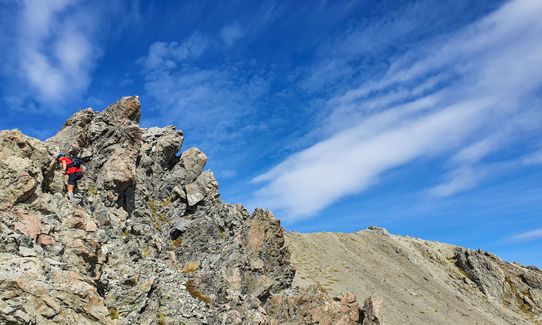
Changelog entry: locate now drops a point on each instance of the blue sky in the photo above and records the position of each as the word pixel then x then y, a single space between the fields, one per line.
pixel 423 117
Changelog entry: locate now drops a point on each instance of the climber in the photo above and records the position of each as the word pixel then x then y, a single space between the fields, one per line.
pixel 71 167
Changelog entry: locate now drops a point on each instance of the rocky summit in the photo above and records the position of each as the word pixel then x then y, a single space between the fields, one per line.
pixel 147 239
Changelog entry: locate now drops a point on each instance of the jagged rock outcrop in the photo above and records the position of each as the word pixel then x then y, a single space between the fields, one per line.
pixel 148 241
pixel 413 281
pixel 312 306
pixel 516 287
pixel 25 168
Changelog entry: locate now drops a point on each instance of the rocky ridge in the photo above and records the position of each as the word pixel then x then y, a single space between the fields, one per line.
pixel 414 281
pixel 148 240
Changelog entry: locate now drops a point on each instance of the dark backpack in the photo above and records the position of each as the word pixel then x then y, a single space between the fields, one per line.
pixel 76 162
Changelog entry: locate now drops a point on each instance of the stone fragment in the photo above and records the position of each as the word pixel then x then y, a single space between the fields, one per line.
pixel 46 240
pixel 28 224
pixel 193 161
pixel 194 194
pixel 311 306
pixel 205 185
pixel 379 230
pixel 91 226
pixel 532 279
pixel 179 227
pixel 372 308
pixel 179 192
pixel 27 252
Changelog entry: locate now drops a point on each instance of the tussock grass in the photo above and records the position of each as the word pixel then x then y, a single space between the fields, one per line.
pixel 190 267
pixel 114 313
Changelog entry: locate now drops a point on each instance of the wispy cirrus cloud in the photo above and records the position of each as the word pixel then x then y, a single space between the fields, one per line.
pixel 214 103
pixel 464 97
pixel 534 158
pixel 231 33
pixel 164 56
pixel 527 236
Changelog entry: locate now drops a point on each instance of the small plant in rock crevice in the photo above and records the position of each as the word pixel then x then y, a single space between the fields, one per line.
pixel 190 267
pixel 176 243
pixel 114 313
pixel 194 292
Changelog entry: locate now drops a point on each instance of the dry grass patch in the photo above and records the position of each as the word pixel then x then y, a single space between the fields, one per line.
pixel 176 243
pixel 190 267
pixel 194 292
pixel 114 314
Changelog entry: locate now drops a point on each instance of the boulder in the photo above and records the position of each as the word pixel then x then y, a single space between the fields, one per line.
pixel 204 186
pixel 159 147
pixel 26 168
pixel 34 297
pixel 372 311
pixel 312 306
pixel 193 161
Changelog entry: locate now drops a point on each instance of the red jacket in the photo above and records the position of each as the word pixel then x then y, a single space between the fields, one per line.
pixel 68 161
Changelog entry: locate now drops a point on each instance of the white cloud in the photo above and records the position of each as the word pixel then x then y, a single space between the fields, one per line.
pixel 55 52
pixel 213 104
pixel 534 158
pixel 231 34
pixel 228 173
pixel 165 56
pixel 460 179
pixel 350 161
pixel 526 236
pixel 461 97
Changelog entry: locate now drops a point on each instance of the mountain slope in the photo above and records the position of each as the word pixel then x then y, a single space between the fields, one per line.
pixel 418 281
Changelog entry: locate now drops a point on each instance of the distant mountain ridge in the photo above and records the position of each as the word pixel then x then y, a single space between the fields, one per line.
pixel 418 281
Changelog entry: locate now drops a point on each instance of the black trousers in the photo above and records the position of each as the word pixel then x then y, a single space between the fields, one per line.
pixel 73 178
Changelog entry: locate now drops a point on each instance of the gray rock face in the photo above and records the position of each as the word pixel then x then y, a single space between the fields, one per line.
pixel 193 161
pixel 205 185
pixel 72 137
pixel 483 271
pixel 518 288
pixel 150 242
pixel 26 168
